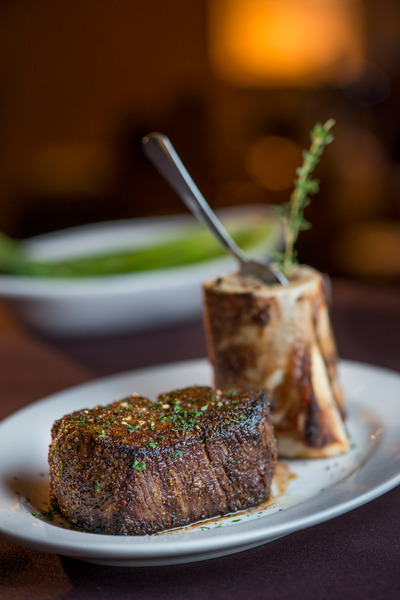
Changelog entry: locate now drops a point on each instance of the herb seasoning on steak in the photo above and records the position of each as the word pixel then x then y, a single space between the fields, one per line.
pixel 136 467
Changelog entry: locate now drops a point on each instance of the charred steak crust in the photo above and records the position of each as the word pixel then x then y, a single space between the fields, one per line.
pixel 135 467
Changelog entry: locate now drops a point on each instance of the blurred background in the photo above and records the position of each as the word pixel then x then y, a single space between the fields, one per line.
pixel 236 85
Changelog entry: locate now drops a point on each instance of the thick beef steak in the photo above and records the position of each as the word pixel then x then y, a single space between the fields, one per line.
pixel 136 467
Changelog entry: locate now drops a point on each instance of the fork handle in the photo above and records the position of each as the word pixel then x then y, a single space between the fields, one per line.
pixel 161 152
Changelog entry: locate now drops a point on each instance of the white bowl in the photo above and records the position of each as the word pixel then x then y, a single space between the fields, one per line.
pixel 115 304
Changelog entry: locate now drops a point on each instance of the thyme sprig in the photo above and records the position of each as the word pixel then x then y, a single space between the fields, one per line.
pixel 292 212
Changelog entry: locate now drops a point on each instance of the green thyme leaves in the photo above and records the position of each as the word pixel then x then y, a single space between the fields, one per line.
pixel 292 213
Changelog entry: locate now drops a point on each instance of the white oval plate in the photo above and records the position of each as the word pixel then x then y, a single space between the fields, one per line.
pixel 93 306
pixel 322 490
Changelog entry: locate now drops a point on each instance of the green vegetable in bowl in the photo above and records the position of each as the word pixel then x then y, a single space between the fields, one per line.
pixel 193 247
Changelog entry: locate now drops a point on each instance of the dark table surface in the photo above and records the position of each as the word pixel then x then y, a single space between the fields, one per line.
pixel 356 555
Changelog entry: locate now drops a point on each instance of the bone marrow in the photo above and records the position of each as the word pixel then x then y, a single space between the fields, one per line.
pixel 280 339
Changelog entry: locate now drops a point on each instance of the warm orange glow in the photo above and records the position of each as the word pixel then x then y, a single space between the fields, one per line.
pixel 285 42
pixel 370 249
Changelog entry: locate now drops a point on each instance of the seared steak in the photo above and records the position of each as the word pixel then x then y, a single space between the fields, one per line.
pixel 135 467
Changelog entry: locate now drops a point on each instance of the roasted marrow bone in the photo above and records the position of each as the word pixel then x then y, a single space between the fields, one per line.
pixel 135 467
pixel 280 339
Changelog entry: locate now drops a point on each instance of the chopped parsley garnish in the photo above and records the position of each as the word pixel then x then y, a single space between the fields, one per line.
pixel 48 514
pixel 196 413
pixel 131 428
pixel 139 465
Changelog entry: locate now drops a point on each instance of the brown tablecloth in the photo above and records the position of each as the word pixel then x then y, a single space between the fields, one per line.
pixel 356 555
